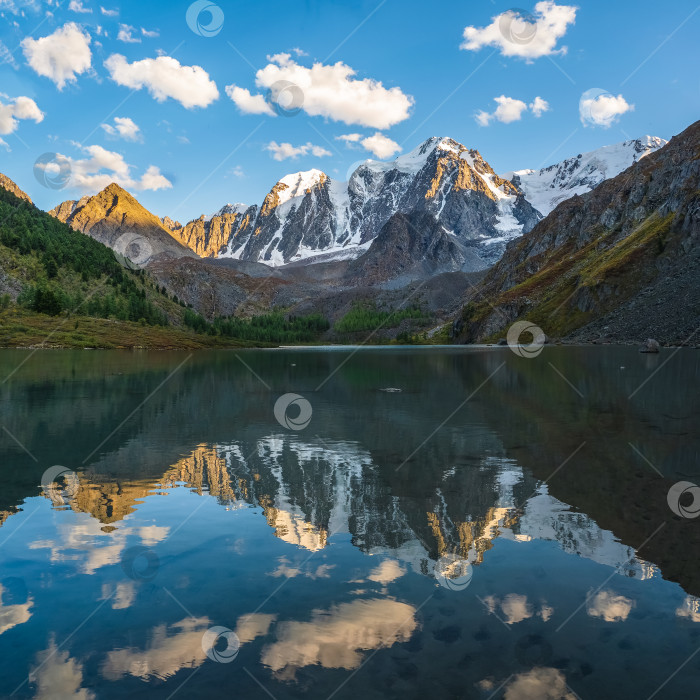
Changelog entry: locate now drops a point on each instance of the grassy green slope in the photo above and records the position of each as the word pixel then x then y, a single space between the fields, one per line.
pixel 61 288
pixel 624 265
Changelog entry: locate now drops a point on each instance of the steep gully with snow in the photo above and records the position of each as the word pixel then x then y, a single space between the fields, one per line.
pixel 424 227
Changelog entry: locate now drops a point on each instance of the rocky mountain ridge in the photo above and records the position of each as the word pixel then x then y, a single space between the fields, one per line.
pixel 309 216
pixel 11 186
pixel 310 213
pixel 115 217
pixel 618 263
pixel 459 214
pixel 547 187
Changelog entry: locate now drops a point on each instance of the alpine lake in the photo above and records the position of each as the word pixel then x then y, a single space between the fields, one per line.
pixel 374 522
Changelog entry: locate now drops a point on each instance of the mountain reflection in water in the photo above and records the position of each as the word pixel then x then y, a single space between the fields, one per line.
pixel 524 547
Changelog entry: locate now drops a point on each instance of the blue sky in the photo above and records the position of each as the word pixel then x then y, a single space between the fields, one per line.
pixel 196 148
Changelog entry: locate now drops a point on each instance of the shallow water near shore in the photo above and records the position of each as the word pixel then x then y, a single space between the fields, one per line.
pixel 344 522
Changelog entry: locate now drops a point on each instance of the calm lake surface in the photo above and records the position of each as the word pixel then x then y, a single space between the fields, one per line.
pixel 498 528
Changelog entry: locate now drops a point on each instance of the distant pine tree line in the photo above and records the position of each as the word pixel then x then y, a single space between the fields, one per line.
pixel 366 317
pixel 269 328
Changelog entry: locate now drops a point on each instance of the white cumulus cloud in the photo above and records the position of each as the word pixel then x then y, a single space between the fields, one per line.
pixel 101 167
pixel 611 607
pixel 349 138
pixel 164 77
pixel 511 110
pixel 123 127
pixel 338 637
pixel 382 146
pixel 603 110
pixel 378 144
pixel 126 34
pixel 541 683
pixel 152 179
pixel 250 104
pixel 539 106
pixel 508 110
pixel 77 6
pixel 60 56
pixel 528 37
pixel 330 91
pixel 109 13
pixel 282 151
pixel 15 109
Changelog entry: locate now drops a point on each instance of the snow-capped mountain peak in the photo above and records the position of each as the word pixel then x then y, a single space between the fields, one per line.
pixel 236 208
pixel 298 184
pixel 309 215
pixel 447 144
pixel 547 187
pixel 413 161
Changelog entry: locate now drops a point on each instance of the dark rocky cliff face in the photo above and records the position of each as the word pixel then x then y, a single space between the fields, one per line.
pixel 411 247
pixel 620 262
